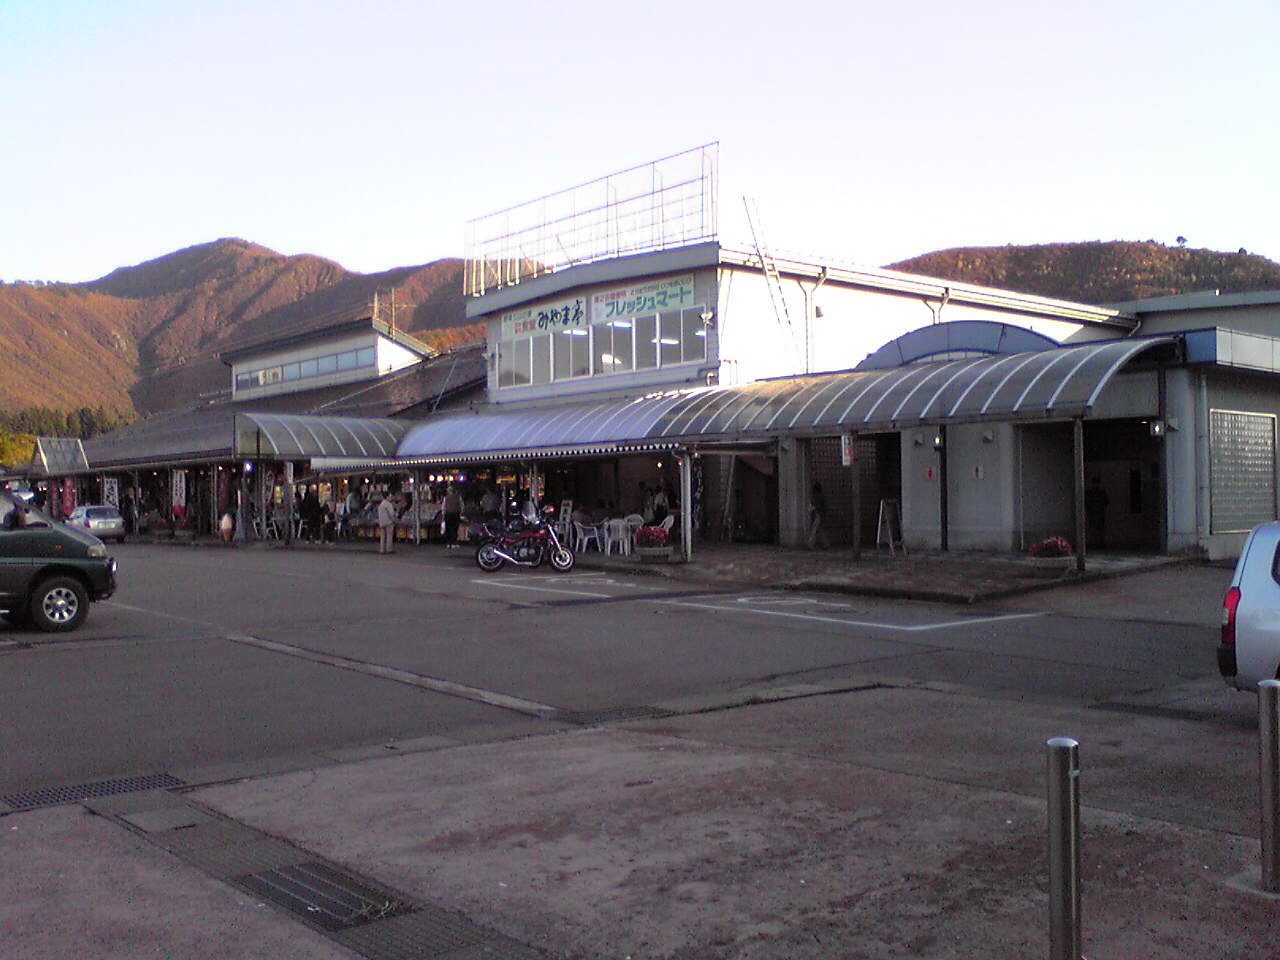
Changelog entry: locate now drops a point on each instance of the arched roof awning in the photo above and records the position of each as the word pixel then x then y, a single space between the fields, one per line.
pixel 1060 383
pixel 286 436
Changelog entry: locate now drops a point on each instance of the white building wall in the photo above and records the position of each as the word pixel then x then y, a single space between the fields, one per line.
pixel 305 352
pixel 391 356
pixel 981 474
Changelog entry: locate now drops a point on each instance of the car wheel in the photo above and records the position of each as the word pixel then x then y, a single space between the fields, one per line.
pixel 59 604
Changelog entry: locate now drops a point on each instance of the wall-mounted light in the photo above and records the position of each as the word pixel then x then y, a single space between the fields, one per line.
pixel 1157 428
pixel 708 317
pixel 988 436
pixel 937 441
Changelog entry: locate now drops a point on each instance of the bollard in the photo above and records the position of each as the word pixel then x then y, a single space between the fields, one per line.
pixel 1064 849
pixel 1269 781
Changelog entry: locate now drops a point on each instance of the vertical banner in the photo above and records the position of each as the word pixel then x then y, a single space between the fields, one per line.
pixel 846 449
pixel 68 495
pixel 179 488
pixel 111 492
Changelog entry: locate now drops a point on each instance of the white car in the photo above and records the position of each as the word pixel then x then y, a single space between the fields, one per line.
pixel 1250 647
pixel 105 523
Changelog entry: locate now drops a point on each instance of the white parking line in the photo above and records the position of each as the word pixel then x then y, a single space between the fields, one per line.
pixel 916 628
pixel 525 586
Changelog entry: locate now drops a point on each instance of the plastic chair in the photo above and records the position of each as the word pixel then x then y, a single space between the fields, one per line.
pixel 582 535
pixel 617 533
pixel 668 522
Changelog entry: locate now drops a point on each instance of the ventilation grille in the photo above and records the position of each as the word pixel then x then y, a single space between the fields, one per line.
pixel 84 791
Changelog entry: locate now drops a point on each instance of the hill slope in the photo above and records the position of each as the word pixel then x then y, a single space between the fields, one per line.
pixel 1099 272
pixel 146 337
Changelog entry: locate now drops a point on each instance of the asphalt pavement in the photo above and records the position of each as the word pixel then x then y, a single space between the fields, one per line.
pixel 829 816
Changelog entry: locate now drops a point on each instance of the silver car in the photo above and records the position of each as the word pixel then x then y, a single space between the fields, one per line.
pixel 105 523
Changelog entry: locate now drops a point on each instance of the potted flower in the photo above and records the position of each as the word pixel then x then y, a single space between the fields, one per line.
pixel 653 543
pixel 1051 556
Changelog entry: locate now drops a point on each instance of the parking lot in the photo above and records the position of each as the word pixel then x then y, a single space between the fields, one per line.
pixel 658 764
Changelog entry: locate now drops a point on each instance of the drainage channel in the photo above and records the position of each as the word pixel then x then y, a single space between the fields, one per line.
pixel 355 911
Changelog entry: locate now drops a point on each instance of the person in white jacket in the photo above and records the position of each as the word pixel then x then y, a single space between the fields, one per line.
pixel 387 513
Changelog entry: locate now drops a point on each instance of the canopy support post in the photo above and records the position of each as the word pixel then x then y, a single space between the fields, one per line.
pixel 1077 450
pixel 686 504
pixel 417 507
pixel 943 517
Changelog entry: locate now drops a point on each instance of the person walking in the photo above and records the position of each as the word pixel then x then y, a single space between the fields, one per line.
pixel 817 517
pixel 387 514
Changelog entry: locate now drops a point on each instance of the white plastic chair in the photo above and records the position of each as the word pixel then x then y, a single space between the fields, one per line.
pixel 617 533
pixel 582 535
pixel 668 522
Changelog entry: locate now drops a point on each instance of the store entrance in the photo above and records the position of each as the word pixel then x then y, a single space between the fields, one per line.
pixel 1124 487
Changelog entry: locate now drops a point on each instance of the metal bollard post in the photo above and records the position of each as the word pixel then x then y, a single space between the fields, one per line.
pixel 1064 849
pixel 1269 781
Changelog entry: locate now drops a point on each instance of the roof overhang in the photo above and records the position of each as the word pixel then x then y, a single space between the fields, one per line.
pixel 284 436
pixel 1061 383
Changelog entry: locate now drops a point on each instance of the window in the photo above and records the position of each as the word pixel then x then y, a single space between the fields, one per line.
pixel 562 350
pixel 327 364
pixel 520 362
pixel 289 371
pixel 646 336
pixel 347 361
pixel 307 368
pixel 365 358
pixel 622 351
pixel 693 339
pixel 541 346
pixel 669 338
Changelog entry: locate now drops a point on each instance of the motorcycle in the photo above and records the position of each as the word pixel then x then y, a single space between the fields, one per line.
pixel 526 543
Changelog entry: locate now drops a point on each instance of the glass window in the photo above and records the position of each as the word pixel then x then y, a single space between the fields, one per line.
pixel 506 365
pixel 621 345
pixel 694 335
pixel 541 346
pixel 289 371
pixel 327 364
pixel 669 337
pixel 347 361
pixel 520 366
pixel 269 375
pixel 646 331
pixel 562 350
pixel 365 358
pixel 580 363
pixel 307 368
pixel 245 380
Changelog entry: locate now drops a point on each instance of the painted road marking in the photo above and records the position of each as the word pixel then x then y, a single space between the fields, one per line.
pixel 422 681
pixel 817 618
pixel 491 582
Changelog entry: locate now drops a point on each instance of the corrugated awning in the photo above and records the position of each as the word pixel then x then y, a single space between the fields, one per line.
pixel 286 436
pixel 1061 383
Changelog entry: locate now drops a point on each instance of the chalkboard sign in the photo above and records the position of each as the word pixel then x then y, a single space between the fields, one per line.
pixel 889 527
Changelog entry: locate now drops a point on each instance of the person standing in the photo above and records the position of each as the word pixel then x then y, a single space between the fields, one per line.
pixel 387 514
pixel 452 516
pixel 817 517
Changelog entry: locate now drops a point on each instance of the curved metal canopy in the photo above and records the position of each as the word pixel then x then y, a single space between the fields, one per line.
pixel 287 436
pixel 1060 383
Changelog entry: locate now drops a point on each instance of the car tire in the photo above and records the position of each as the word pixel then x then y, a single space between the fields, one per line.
pixel 58 604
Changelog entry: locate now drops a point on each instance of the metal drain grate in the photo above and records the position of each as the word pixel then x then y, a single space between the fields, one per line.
pixel 328 898
pixel 83 791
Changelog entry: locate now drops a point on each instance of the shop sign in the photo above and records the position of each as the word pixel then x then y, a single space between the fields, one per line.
pixel 111 492
pixel 562 315
pixel 179 488
pixel 846 449
pixel 671 293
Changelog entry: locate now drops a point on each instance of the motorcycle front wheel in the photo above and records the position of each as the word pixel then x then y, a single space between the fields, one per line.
pixel 488 558
pixel 562 559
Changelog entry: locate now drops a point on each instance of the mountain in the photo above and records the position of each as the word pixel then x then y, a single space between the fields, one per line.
pixel 1099 272
pixel 146 338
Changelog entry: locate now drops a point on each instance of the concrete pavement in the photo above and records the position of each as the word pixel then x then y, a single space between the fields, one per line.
pixel 873 820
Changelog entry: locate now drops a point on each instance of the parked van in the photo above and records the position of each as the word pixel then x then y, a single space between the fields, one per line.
pixel 1249 650
pixel 49 572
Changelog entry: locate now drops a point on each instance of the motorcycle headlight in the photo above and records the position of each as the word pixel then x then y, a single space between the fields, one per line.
pixel 97 550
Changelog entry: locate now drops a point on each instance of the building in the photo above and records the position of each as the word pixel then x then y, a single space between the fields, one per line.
pixel 627 345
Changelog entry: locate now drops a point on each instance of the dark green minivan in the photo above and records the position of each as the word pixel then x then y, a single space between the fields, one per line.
pixel 49 572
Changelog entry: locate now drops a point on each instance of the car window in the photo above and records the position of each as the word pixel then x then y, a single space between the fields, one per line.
pixel 101 513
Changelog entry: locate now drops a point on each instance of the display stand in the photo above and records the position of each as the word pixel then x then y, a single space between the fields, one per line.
pixel 889 528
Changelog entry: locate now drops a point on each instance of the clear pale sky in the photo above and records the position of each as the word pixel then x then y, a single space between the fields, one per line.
pixel 369 132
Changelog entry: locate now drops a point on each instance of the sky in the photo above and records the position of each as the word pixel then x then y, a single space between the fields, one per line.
pixel 370 132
